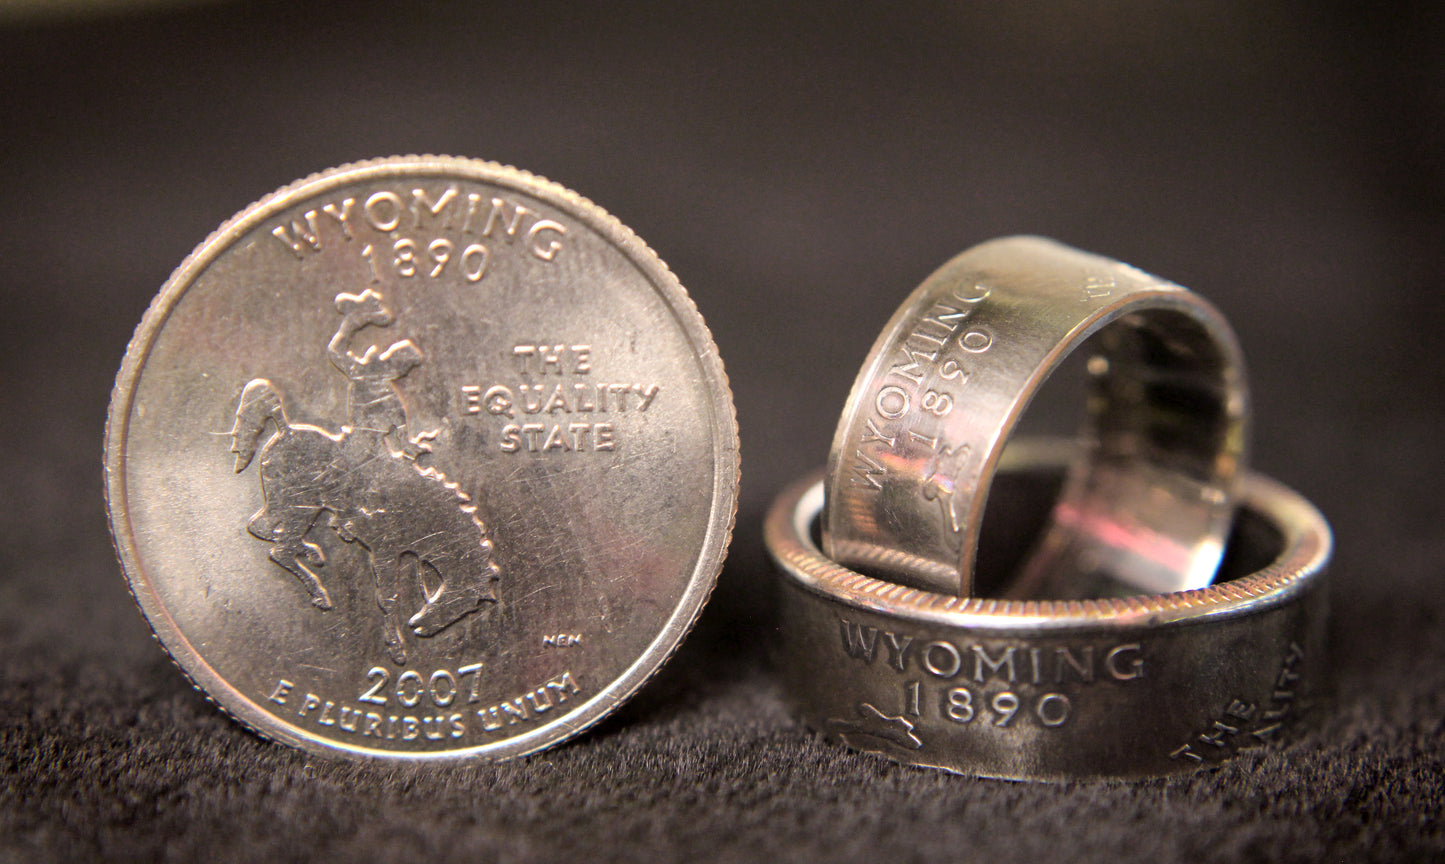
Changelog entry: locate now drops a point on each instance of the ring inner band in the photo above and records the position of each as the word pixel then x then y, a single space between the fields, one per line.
pixel 1141 511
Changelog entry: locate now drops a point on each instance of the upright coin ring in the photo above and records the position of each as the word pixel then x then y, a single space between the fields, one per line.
pixel 421 458
pixel 1122 687
pixel 1147 506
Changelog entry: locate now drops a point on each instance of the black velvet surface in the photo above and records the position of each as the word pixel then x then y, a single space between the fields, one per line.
pixel 801 168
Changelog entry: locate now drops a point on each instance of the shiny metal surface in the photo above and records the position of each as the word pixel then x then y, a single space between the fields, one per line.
pixel 1123 687
pixel 1146 508
pixel 421 458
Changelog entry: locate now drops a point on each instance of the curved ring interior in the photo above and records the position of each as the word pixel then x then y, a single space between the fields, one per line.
pixel 1147 507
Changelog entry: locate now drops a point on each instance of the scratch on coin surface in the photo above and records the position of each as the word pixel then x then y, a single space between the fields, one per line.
pixel 538 590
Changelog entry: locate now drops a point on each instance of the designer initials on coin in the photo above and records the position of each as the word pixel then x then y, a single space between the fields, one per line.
pixel 421 458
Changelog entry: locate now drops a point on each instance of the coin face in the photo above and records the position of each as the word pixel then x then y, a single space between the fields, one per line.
pixel 421 458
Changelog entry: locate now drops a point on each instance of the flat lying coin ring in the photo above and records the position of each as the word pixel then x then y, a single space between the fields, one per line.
pixel 1145 510
pixel 1123 687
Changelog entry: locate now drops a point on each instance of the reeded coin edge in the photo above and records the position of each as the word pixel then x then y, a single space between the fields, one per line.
pixel 726 474
pixel 1308 544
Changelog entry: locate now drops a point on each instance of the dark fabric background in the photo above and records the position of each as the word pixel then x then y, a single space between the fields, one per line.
pixel 801 168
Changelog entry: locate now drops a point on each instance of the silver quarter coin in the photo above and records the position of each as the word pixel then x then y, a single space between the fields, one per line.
pixel 421 458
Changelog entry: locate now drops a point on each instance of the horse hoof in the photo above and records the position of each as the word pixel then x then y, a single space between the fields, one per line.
pixel 396 649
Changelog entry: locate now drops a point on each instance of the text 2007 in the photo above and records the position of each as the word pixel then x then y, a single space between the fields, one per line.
pixel 441 688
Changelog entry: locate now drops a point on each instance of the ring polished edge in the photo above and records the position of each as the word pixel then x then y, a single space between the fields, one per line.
pixel 1043 690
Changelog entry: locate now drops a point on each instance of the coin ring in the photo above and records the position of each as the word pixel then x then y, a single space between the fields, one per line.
pixel 1054 690
pixel 1145 509
pixel 240 627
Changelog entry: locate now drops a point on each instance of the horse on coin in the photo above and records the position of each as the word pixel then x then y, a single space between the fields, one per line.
pixel 412 521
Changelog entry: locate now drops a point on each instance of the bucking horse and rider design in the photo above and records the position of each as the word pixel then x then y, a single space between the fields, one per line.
pixel 412 521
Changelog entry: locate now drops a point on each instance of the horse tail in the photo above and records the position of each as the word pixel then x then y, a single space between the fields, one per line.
pixel 259 402
pixel 461 551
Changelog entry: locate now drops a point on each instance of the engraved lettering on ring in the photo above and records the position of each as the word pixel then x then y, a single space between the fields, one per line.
pixel 892 402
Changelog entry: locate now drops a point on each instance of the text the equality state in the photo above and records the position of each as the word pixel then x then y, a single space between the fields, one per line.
pixel 555 404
